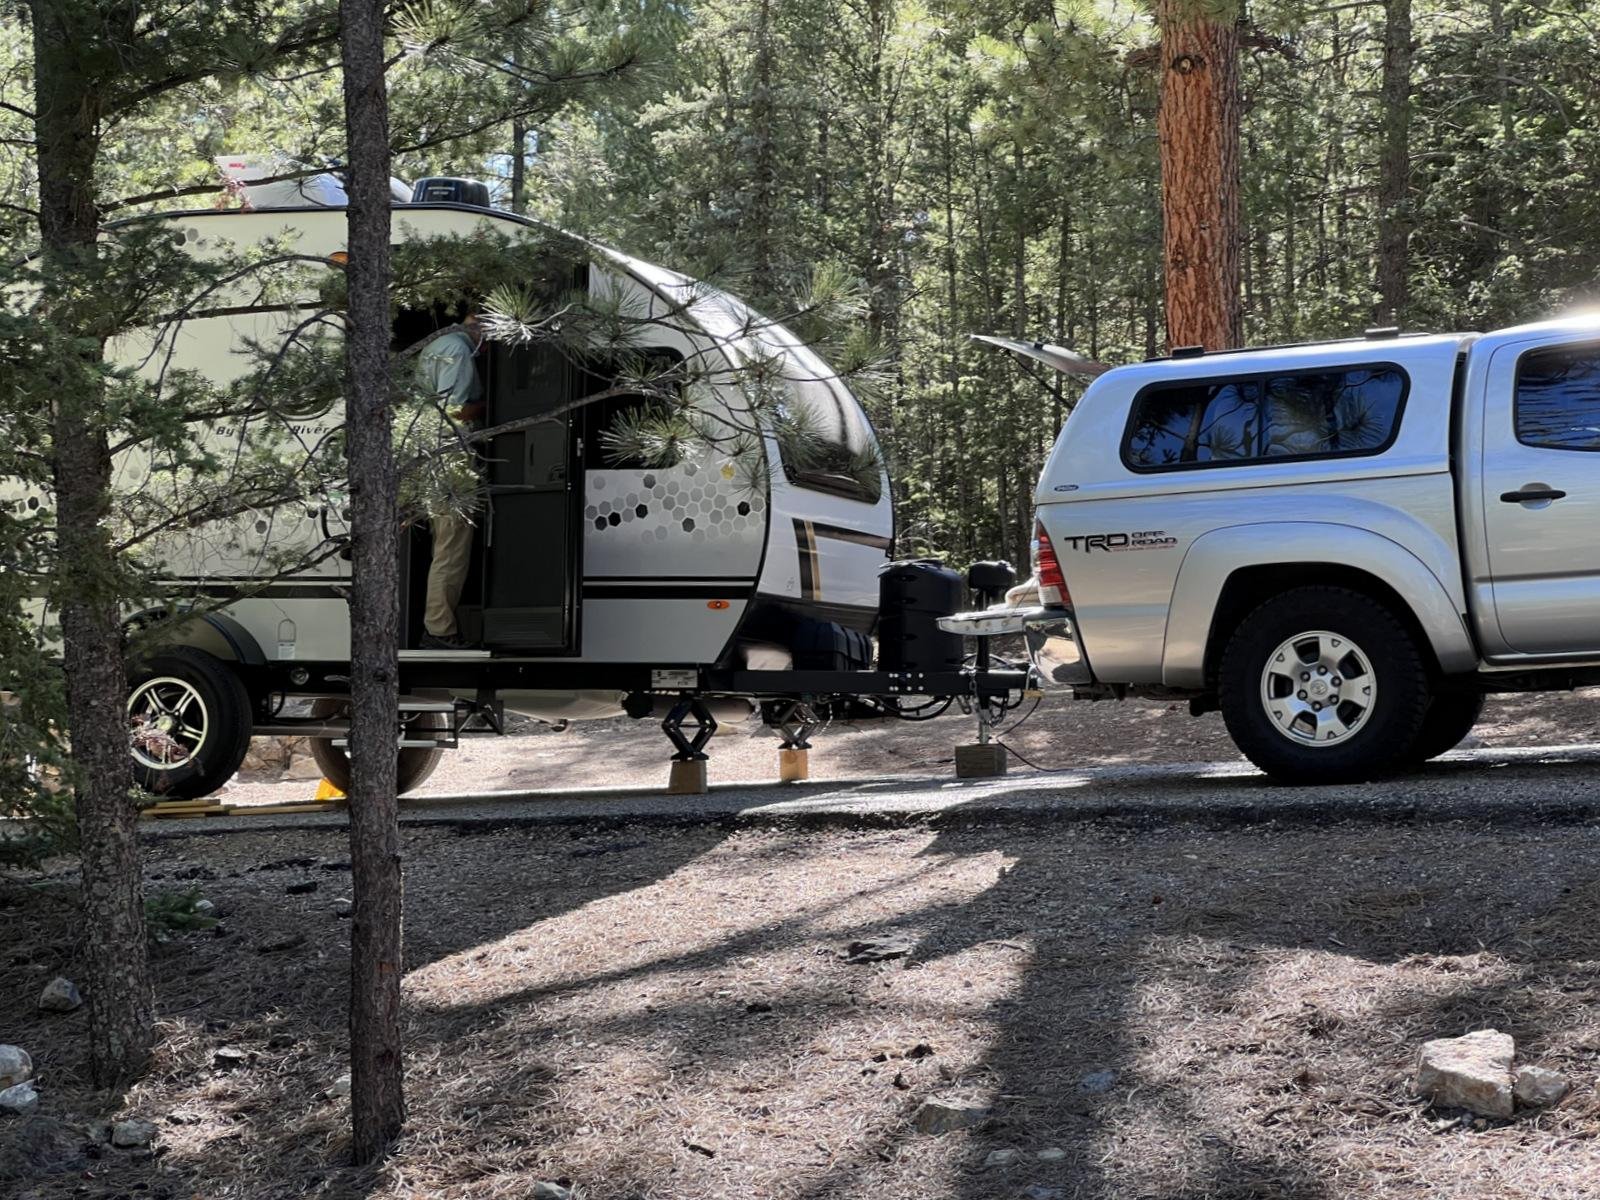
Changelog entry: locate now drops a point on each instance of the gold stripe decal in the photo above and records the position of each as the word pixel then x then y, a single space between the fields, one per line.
pixel 805 540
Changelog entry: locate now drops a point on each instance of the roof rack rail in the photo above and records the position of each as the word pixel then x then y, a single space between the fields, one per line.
pixel 1380 333
pixel 1188 351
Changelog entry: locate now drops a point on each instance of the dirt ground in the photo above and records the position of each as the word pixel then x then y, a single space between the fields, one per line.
pixel 1171 1013
pixel 625 753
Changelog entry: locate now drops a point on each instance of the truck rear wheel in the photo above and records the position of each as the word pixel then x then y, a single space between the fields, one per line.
pixel 189 720
pixel 1323 685
pixel 415 763
pixel 1450 718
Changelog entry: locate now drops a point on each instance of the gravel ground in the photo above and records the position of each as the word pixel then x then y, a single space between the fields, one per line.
pixel 1162 980
pixel 1170 1012
pixel 1060 733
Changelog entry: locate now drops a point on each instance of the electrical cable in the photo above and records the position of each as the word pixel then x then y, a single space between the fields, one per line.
pixel 1018 754
pixel 921 714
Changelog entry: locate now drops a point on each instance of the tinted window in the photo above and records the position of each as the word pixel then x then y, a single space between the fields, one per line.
pixel 1307 414
pixel 601 416
pixel 1558 398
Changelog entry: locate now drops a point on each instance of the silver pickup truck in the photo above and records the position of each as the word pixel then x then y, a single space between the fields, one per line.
pixel 1341 546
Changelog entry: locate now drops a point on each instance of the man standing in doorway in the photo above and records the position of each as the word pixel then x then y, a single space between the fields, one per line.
pixel 446 369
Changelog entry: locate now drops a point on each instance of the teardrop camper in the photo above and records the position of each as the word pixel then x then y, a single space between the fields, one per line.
pixel 596 587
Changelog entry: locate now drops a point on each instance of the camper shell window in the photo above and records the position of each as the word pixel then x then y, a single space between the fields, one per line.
pixel 1283 416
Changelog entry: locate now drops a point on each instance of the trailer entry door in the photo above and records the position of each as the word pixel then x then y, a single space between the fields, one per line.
pixel 531 568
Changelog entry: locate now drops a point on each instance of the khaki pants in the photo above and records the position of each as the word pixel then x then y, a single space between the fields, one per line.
pixel 447 575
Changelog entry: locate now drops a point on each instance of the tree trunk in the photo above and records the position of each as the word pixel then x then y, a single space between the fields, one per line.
pixel 519 165
pixel 764 168
pixel 121 1004
pixel 377 1096
pixel 1198 126
pixel 1394 167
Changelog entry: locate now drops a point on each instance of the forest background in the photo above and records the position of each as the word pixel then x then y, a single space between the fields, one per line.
pixel 987 168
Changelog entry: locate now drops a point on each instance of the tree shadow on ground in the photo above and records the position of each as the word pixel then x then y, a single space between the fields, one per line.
pixel 1197 1019
pixel 1173 1012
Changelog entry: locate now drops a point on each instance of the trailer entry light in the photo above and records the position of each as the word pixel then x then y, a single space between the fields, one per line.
pixel 1052 584
pixel 719 605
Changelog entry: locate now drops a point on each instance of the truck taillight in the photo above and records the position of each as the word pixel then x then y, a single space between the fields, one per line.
pixel 1052 584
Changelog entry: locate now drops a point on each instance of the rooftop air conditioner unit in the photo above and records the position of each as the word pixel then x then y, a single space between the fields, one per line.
pixel 446 189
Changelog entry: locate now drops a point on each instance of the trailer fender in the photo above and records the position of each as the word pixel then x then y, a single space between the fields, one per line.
pixel 218 634
pixel 1346 551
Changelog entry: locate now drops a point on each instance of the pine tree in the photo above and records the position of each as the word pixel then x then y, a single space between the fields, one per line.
pixel 377 1095
pixel 1199 131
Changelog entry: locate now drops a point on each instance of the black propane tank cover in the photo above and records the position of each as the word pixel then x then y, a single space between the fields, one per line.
pixel 912 596
pixel 991 578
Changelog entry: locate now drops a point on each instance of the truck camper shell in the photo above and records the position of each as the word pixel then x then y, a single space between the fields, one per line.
pixel 597 587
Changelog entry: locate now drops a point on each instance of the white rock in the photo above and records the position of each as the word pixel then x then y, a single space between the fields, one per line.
pixel 1053 1154
pixel 544 1190
pixel 15 1066
pixel 1002 1158
pixel 1471 1072
pixel 941 1116
pixel 19 1100
pixel 340 1086
pixel 132 1135
pixel 60 995
pixel 1539 1087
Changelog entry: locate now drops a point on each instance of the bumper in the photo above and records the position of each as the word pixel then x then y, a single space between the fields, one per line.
pixel 1048 633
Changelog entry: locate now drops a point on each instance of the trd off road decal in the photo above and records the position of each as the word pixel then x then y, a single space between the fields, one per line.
pixel 1150 539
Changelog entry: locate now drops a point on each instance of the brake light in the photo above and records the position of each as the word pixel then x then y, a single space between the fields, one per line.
pixel 1052 583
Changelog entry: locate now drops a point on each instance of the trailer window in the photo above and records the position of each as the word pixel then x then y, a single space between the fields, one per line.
pixel 1557 403
pixel 1254 418
pixel 601 415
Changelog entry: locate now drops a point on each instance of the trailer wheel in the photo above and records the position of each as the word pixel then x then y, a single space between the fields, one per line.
pixel 1323 685
pixel 415 763
pixel 189 719
pixel 1450 718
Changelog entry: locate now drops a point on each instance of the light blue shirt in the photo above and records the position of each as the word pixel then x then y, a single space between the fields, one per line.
pixel 445 368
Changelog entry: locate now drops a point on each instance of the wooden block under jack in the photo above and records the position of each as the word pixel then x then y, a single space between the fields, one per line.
pixel 793 765
pixel 980 760
pixel 199 808
pixel 688 778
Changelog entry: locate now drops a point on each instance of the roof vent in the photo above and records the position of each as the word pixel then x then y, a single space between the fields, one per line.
pixel 1381 333
pixel 1188 351
pixel 447 189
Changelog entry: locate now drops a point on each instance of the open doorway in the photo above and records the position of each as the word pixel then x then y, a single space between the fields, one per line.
pixel 522 586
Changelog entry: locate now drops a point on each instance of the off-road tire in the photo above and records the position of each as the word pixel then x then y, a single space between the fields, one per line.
pixel 1383 743
pixel 1450 718
pixel 228 716
pixel 412 768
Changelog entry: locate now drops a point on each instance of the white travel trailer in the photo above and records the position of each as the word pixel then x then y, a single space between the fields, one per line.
pixel 597 587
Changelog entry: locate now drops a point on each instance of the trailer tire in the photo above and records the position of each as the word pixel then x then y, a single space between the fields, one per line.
pixel 1325 685
pixel 189 718
pixel 412 768
pixel 1450 718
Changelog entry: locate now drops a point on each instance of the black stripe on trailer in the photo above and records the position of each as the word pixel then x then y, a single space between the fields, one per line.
pixel 655 590
pixel 805 541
